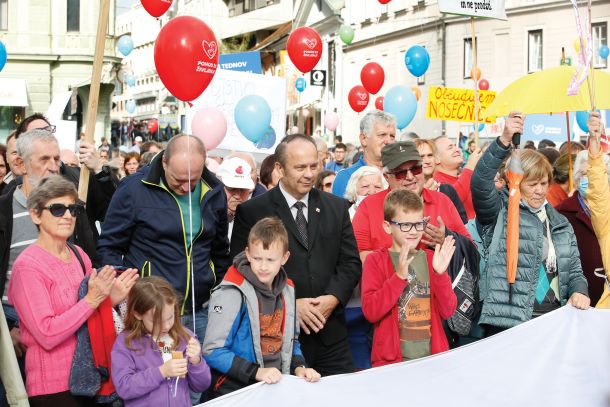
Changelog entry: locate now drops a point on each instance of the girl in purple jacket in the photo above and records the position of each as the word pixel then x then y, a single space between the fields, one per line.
pixel 156 360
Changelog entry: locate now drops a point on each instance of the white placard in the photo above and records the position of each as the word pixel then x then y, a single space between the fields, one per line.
pixel 474 8
pixel 223 93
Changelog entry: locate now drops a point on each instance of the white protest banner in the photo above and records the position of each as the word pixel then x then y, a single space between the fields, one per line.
pixel 559 359
pixel 226 89
pixel 474 8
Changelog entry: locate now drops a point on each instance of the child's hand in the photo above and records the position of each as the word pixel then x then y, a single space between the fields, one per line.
pixel 193 351
pixel 269 375
pixel 404 260
pixel 443 255
pixel 307 373
pixel 174 368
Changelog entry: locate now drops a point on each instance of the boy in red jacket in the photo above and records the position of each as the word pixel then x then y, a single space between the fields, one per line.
pixel 405 289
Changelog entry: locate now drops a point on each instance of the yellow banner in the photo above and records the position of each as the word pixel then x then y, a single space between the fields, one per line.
pixel 457 104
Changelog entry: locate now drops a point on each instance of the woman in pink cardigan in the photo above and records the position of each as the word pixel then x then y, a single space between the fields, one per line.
pixel 43 289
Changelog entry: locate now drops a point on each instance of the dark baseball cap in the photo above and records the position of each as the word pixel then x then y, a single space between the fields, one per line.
pixel 395 154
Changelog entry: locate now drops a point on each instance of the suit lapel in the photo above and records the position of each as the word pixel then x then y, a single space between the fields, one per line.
pixel 284 213
pixel 313 216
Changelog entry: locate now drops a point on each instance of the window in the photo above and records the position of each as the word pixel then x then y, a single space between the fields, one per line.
pixel 73 15
pixel 600 37
pixel 534 51
pixel 467 57
pixel 4 15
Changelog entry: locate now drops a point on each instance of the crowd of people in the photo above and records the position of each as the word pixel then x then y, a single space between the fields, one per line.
pixel 183 277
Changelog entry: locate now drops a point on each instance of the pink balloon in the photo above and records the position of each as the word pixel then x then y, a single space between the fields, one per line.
pixel 331 121
pixel 210 126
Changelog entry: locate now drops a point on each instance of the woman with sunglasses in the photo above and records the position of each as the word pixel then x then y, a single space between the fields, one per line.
pixel 324 181
pixel 549 272
pixel 43 289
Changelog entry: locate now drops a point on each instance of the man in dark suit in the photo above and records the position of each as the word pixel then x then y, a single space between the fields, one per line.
pixel 324 262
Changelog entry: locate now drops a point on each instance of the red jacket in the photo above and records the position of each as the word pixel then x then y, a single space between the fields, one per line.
pixel 368 221
pixel 461 185
pixel 381 289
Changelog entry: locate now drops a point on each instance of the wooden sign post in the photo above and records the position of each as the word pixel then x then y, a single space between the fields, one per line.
pixel 94 91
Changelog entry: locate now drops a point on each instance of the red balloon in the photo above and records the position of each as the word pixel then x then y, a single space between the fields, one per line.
pixel 372 77
pixel 156 8
pixel 358 98
pixel 379 103
pixel 304 48
pixel 186 57
pixel 153 125
pixel 384 1
pixel 484 84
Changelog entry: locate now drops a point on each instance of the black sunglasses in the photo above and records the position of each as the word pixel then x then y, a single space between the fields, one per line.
pixel 58 210
pixel 407 226
pixel 402 174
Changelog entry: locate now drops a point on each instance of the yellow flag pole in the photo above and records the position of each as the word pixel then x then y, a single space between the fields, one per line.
pixel 94 91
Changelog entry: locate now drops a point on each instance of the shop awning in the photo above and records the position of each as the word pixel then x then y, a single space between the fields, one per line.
pixel 13 92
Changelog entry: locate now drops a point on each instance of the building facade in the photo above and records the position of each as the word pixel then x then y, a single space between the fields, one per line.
pixel 50 46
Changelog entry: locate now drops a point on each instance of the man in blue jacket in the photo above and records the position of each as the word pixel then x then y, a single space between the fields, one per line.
pixel 149 225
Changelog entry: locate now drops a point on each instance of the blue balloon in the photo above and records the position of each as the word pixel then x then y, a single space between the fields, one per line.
pixel 481 127
pixel 125 45
pixel 130 106
pixel 130 80
pixel 267 140
pixel 417 60
pixel 581 120
pixel 300 84
pixel 401 102
pixel 604 51
pixel 2 55
pixel 252 117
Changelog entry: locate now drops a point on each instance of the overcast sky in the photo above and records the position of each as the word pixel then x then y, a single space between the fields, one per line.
pixel 123 6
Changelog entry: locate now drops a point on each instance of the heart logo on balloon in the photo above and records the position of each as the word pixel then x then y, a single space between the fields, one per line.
pixel 363 96
pixel 311 43
pixel 210 48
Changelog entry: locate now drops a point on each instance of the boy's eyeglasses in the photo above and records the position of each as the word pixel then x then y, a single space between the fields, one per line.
pixel 402 174
pixel 407 226
pixel 58 210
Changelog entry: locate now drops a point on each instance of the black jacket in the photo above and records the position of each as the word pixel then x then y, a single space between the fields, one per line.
pixel 331 264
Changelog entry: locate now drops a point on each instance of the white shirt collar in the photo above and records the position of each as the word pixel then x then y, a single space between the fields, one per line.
pixel 290 200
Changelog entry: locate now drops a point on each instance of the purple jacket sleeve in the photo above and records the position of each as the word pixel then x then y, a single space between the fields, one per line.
pixel 129 382
pixel 199 377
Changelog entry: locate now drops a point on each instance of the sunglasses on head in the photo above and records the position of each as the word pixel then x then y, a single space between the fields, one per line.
pixel 58 210
pixel 407 226
pixel 402 174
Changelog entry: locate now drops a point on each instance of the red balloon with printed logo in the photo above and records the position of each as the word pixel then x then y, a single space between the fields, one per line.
pixel 484 84
pixel 358 98
pixel 153 126
pixel 186 57
pixel 372 77
pixel 379 103
pixel 156 8
pixel 304 48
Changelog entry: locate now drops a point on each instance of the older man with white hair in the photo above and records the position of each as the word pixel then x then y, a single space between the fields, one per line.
pixel 377 129
pixel 259 189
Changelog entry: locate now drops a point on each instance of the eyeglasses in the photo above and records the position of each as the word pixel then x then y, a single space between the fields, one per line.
pixel 328 184
pixel 50 128
pixel 402 174
pixel 58 210
pixel 407 226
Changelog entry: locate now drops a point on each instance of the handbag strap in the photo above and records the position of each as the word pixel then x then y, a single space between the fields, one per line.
pixel 78 256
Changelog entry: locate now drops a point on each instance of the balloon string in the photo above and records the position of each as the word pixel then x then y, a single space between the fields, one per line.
pixel 190 246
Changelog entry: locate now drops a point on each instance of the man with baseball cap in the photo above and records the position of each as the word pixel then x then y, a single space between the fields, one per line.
pixel 402 168
pixel 234 173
